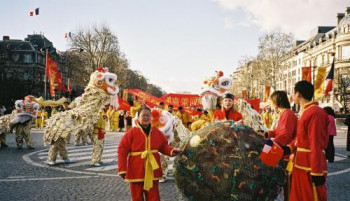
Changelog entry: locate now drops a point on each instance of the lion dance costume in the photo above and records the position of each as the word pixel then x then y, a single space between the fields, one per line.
pixel 100 91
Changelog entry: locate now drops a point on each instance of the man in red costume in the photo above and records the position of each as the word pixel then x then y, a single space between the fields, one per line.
pixel 139 160
pixel 309 164
pixel 227 112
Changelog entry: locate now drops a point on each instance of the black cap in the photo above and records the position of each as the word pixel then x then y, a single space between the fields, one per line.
pixel 228 95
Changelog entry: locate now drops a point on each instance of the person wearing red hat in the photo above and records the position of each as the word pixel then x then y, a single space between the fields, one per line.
pixel 227 111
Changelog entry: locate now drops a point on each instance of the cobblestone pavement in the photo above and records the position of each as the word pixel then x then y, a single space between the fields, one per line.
pixel 25 175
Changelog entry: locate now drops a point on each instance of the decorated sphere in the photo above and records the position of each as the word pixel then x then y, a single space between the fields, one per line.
pixel 221 162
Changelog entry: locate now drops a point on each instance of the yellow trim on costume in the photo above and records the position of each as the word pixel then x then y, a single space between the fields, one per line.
pixel 136 153
pixel 317 174
pixel 171 152
pixel 315 191
pixel 122 172
pixel 307 106
pixel 303 149
pixel 151 163
pixel 302 167
pixel 141 180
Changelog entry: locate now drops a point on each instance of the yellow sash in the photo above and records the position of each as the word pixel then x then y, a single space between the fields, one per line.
pixel 150 165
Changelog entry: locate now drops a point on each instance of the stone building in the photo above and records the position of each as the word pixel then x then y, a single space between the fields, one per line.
pixel 22 68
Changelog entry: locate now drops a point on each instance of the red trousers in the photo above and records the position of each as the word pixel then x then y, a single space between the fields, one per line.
pixel 138 194
pixel 302 188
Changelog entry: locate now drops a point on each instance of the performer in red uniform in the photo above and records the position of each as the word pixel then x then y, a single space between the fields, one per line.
pixel 139 160
pixel 286 128
pixel 285 131
pixel 227 112
pixel 309 164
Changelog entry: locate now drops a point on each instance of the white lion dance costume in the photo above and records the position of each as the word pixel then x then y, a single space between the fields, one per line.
pixel 100 91
pixel 22 119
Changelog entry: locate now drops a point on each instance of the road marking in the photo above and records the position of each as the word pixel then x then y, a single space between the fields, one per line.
pixel 87 153
pixel 102 168
pixel 76 149
pixel 339 172
pixel 46 178
pixel 105 161
pixel 27 159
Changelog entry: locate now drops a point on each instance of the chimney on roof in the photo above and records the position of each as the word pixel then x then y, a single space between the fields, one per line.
pixel 347 11
pixel 6 38
pixel 339 17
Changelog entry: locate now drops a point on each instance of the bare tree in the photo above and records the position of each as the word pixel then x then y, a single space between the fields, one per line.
pixel 272 48
pixel 98 43
pixel 342 92
pixel 99 47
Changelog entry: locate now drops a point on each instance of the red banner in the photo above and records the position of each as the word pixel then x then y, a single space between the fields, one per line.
pixel 123 105
pixel 304 73
pixel 267 93
pixel 184 100
pixel 152 101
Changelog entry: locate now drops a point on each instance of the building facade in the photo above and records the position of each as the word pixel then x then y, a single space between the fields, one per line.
pixel 325 44
pixel 22 68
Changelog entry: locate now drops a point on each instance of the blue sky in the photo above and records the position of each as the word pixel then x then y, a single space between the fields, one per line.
pixel 175 44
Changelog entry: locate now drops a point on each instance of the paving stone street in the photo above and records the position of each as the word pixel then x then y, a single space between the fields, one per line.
pixel 25 175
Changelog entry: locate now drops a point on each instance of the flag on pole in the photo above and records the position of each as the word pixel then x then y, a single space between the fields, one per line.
pixel 267 93
pixel 304 73
pixel 309 74
pixel 329 80
pixel 52 73
pixel 319 82
pixel 36 12
pixel 68 35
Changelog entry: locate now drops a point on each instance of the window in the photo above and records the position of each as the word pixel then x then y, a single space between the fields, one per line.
pixel 27 58
pixel 345 52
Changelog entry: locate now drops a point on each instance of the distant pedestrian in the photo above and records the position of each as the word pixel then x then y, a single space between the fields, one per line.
pixel 332 131
pixel 347 122
pixel 121 121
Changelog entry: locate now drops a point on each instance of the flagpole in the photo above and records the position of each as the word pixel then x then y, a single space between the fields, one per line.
pixel 47 63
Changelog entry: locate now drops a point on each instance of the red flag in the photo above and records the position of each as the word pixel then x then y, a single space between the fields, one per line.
pixel 60 84
pixel 52 73
pixel 309 74
pixel 69 86
pixel 267 93
pixel 329 80
pixel 36 11
pixel 271 153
